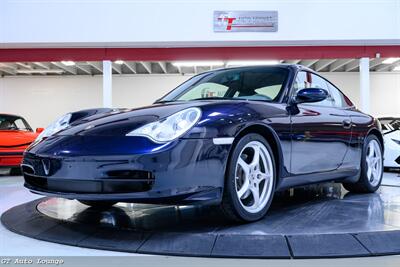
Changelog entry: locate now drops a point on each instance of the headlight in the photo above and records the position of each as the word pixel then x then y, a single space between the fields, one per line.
pixel 169 128
pixel 55 127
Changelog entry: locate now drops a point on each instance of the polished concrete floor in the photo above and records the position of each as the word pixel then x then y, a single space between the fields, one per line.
pixel 318 209
pixel 12 193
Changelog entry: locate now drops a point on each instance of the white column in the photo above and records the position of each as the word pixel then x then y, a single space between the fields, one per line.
pixel 364 85
pixel 107 84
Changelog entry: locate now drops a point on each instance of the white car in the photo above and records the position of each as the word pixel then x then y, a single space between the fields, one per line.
pixel 391 136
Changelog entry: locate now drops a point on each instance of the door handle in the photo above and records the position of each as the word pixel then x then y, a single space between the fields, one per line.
pixel 346 124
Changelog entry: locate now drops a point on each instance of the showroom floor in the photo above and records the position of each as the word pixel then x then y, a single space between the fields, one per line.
pixel 12 193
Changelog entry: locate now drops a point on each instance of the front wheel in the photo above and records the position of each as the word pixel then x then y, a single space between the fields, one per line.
pixel 250 180
pixel 371 168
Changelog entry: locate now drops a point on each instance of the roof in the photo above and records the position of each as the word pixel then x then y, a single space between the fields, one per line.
pixel 9 115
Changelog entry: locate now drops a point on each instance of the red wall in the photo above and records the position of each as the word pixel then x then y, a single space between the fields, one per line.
pixel 197 53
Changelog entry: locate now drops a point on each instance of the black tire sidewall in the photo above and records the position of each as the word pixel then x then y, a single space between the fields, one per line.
pixel 230 178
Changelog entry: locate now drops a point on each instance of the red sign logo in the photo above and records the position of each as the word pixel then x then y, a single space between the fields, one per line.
pixel 230 22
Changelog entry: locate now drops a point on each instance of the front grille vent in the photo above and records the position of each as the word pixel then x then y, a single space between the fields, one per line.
pixel 131 174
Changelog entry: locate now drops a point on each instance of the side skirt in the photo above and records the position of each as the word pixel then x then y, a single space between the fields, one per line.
pixel 347 175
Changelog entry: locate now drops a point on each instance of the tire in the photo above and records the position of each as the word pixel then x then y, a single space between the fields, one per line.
pixel 98 204
pixel 259 179
pixel 370 177
pixel 15 171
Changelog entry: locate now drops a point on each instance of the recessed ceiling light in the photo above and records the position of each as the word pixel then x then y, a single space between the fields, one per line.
pixel 197 63
pixel 252 62
pixel 390 60
pixel 119 62
pixel 68 63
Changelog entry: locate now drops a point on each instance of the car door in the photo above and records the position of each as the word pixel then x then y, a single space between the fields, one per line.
pixel 320 132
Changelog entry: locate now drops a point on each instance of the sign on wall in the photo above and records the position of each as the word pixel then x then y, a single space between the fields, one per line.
pixel 245 21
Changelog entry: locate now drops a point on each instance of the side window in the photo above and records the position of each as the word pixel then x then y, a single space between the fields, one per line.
pixel 300 82
pixel 340 100
pixel 309 80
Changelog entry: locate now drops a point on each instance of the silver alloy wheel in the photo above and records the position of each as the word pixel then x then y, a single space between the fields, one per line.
pixel 374 163
pixel 254 176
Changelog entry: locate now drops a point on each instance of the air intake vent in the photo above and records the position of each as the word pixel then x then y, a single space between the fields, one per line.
pixel 130 174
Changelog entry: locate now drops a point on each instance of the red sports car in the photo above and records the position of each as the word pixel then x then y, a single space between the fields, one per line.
pixel 15 136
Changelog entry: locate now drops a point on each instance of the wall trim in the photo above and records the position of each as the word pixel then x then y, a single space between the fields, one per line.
pixel 196 53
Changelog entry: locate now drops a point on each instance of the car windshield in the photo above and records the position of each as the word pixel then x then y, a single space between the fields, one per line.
pixel 390 124
pixel 252 83
pixel 10 122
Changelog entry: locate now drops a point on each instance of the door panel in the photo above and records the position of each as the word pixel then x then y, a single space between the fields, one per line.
pixel 320 139
pixel 321 131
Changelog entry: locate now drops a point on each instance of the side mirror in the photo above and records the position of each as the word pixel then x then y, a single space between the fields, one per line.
pixel 39 130
pixel 309 95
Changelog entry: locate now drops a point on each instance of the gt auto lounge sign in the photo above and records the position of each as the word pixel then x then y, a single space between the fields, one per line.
pixel 245 21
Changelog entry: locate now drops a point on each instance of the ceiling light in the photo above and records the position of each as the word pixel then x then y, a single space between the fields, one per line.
pixel 197 63
pixel 390 60
pixel 39 71
pixel 252 62
pixel 68 63
pixel 119 62
pixel 397 68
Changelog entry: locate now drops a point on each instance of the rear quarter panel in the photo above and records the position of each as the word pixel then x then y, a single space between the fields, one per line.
pixel 362 124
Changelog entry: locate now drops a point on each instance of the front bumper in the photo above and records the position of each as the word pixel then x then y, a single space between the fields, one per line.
pixel 10 159
pixel 183 171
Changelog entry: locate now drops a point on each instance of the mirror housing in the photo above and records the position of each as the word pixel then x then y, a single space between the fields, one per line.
pixel 310 95
pixel 39 130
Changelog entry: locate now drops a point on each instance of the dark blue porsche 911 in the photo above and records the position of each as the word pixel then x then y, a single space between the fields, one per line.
pixel 230 137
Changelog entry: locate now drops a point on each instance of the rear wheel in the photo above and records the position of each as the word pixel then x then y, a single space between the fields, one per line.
pixel 371 168
pixel 250 180
pixel 98 204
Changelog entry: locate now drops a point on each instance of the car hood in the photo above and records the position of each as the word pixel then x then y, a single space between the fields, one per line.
pixel 121 122
pixel 15 138
pixel 394 134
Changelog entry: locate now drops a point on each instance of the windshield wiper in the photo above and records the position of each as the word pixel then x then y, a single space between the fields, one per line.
pixel 211 98
pixel 194 99
pixel 164 101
